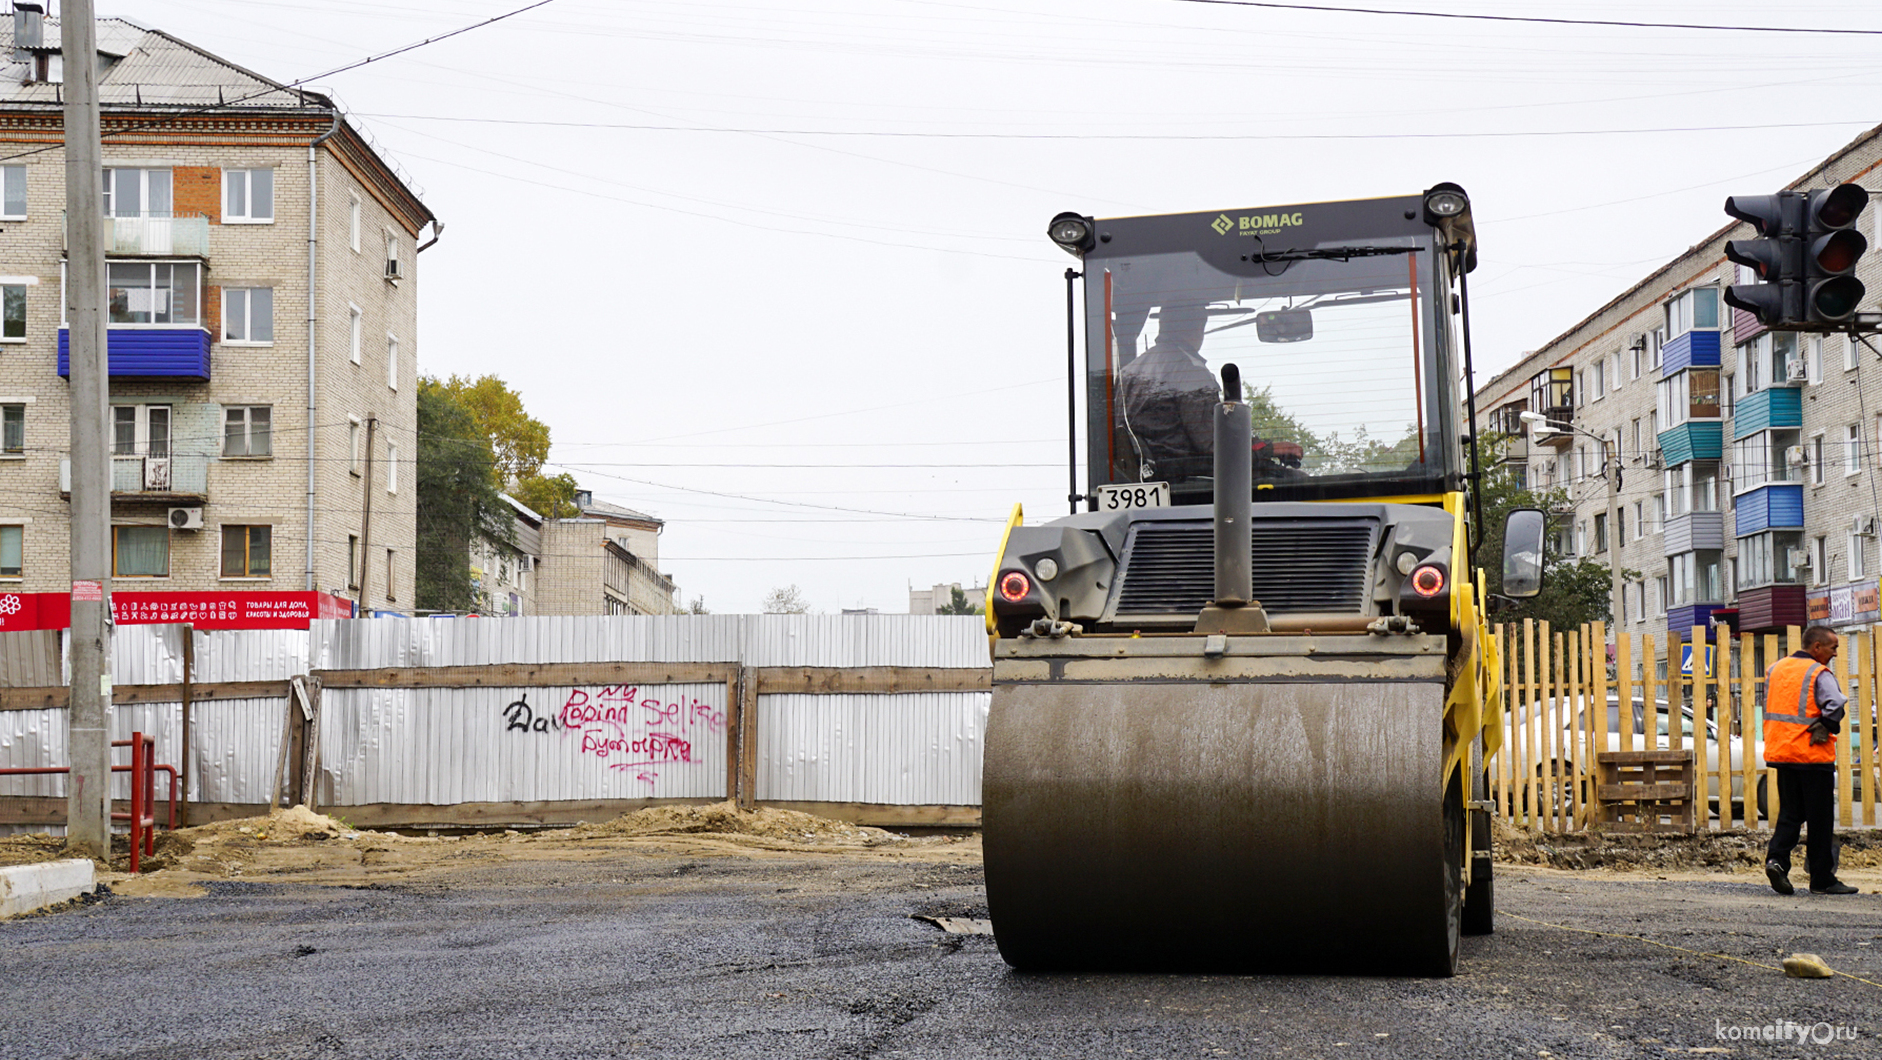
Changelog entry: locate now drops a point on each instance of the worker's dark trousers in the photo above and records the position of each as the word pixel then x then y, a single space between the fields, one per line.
pixel 1806 796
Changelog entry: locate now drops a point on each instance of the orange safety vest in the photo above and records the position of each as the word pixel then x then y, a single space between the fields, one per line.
pixel 1787 687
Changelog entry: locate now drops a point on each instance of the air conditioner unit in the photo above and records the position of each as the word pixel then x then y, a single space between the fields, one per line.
pixel 525 563
pixel 1800 558
pixel 1653 459
pixel 1796 372
pixel 1863 525
pixel 392 269
pixel 1796 456
pixel 186 518
pixel 157 474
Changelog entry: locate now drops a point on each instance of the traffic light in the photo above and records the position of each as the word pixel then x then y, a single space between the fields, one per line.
pixel 1832 247
pixel 1776 257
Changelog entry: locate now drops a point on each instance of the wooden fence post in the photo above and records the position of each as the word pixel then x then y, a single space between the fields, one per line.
pixel 189 688
pixel 1748 728
pixel 1598 712
pixel 1649 695
pixel 1624 667
pixel 1525 776
pixel 1866 709
pixel 1843 779
pixel 748 739
pixel 1721 692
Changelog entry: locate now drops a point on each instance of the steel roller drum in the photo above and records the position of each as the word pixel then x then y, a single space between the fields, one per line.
pixel 1266 814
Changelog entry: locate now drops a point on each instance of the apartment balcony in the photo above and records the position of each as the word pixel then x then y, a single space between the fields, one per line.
pixel 1769 608
pixel 1692 349
pixel 1772 506
pixel 149 353
pixel 1693 532
pixel 1516 448
pixel 179 479
pixel 184 236
pixel 1696 440
pixel 1681 620
pixel 1774 408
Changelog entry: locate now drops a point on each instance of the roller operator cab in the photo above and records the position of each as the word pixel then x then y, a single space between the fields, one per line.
pixel 1265 754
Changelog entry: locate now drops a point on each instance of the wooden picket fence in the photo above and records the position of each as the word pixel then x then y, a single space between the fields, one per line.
pixel 1546 778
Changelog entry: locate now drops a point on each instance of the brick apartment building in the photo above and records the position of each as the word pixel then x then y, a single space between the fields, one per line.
pixel 263 322
pixel 603 562
pixel 1751 460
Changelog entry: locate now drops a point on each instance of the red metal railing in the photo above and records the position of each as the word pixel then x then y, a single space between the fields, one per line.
pixel 143 773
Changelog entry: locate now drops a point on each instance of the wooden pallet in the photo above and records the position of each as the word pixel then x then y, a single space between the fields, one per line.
pixel 1645 791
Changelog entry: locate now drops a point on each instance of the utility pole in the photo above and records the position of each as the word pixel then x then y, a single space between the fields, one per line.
pixel 1615 596
pixel 88 736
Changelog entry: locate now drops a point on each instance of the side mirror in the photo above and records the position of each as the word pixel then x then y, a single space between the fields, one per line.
pixel 1522 552
pixel 1284 325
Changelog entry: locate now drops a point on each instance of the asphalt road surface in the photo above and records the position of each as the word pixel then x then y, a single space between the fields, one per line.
pixel 666 955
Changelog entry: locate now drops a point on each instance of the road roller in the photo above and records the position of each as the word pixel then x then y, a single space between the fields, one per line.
pixel 1243 693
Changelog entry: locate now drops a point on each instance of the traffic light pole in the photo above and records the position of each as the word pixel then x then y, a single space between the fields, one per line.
pixel 88 739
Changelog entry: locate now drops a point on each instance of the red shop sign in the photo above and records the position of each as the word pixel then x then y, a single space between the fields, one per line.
pixel 210 610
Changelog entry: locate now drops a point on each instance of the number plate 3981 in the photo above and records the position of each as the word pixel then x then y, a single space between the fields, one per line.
pixel 1133 495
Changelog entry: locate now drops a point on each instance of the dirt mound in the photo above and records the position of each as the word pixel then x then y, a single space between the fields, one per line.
pixel 31 849
pixel 725 818
pixel 1732 851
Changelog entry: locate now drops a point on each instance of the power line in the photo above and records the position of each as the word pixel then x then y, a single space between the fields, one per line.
pixel 221 104
pixel 929 135
pixel 1622 23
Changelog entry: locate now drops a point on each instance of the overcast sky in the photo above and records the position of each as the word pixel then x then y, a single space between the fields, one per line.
pixel 776 271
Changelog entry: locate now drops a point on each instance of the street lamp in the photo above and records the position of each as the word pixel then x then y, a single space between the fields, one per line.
pixel 1541 426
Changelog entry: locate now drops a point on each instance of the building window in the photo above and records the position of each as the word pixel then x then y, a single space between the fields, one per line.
pixel 352 220
pixel 355 331
pixel 352 444
pixel 1851 355
pixel 1813 361
pixel 1852 449
pixel 1819 560
pixel 140 552
pixel 1581 388
pixel 1856 564
pixel 1600 532
pixel 392 576
pixel 1688 395
pixel 245 551
pixel 248 315
pixel 392 361
pixel 13 428
pixel 352 561
pixel 1640 520
pixel 140 430
pixel 1600 380
pixel 1656 339
pixel 1765 457
pixel 1659 595
pixel 155 293
pixel 247 196
pixel 1620 527
pixel 1816 460
pixel 1767 559
pixel 392 468
pixel 247 430
pixel 392 256
pixel 1694 310
pixel 12 551
pixel 13 312
pixel 1696 578
pixel 137 193
pixel 13 193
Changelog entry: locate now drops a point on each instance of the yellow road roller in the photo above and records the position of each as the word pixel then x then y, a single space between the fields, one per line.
pixel 1243 693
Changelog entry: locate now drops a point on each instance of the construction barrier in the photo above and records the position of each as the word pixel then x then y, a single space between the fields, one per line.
pixel 1564 707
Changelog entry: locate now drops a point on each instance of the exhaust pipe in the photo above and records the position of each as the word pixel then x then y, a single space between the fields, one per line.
pixel 1234 609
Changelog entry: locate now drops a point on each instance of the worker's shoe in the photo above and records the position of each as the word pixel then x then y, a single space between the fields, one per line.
pixel 1833 887
pixel 1780 878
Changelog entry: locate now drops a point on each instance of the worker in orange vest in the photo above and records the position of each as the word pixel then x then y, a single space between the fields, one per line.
pixel 1803 712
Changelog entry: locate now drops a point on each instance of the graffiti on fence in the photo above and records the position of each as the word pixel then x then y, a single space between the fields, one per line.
pixel 622 724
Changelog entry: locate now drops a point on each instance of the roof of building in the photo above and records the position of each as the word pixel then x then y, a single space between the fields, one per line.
pixel 140 66
pixel 615 511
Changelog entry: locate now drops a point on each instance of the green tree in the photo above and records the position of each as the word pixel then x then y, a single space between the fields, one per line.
pixel 1574 590
pixel 552 497
pixel 959 603
pixel 519 442
pixel 458 501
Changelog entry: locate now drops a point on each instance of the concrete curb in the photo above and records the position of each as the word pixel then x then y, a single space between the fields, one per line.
pixel 24 888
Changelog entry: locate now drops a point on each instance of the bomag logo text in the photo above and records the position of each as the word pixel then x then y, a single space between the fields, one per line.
pixel 1267 223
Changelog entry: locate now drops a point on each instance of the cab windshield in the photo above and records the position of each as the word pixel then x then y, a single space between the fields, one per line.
pixel 1336 359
